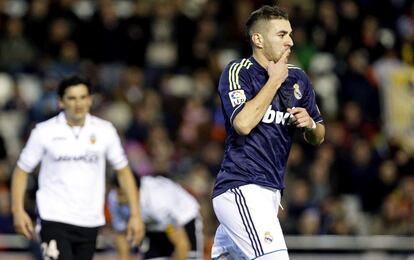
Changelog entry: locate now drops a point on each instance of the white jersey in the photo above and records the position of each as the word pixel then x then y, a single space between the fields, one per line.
pixel 163 203
pixel 72 171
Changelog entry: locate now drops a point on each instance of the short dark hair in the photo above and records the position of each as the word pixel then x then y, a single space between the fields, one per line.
pixel 266 13
pixel 72 81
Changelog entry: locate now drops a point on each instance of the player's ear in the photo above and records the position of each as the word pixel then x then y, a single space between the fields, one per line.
pixel 60 103
pixel 257 39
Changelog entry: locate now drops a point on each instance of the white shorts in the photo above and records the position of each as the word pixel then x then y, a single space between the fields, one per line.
pixel 249 227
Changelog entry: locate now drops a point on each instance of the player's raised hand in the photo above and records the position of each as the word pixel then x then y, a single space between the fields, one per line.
pixel 278 71
pixel 23 224
pixel 301 117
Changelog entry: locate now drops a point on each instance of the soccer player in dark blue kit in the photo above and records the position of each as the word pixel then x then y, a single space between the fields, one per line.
pixel 264 100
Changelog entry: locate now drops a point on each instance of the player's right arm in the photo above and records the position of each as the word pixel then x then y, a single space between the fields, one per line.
pixel 255 107
pixel 22 221
pixel 28 160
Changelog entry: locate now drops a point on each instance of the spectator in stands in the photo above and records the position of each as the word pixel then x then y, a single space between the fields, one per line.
pixel 17 53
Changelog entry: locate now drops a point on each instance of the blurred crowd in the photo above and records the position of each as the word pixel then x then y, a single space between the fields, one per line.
pixel 155 65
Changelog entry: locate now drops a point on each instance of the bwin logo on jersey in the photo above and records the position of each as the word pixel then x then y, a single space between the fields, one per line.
pixel 296 91
pixel 277 117
pixel 237 97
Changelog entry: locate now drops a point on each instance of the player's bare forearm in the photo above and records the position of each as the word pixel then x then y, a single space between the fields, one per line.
pixel 122 246
pixel 22 222
pixel 128 185
pixel 18 189
pixel 254 109
pixel 179 239
pixel 135 228
pixel 315 136
pixel 314 133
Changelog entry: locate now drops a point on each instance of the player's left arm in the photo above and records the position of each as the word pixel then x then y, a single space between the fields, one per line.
pixel 115 154
pixel 314 133
pixel 307 116
pixel 135 229
pixel 315 136
pixel 118 224
pixel 178 237
pixel 122 246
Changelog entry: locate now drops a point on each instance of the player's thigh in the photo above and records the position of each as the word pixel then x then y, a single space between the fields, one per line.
pixel 249 217
pixel 55 243
pixel 224 248
pixel 84 242
pixel 84 250
pixel 279 255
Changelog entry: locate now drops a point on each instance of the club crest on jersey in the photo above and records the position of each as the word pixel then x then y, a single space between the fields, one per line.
pixel 296 91
pixel 92 139
pixel 268 238
pixel 237 97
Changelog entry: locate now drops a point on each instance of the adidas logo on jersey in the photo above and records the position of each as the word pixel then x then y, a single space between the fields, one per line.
pixel 278 117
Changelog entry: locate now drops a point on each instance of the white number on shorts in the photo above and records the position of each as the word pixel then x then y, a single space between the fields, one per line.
pixel 50 251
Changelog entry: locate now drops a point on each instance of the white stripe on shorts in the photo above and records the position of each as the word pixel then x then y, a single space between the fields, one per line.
pixel 247 221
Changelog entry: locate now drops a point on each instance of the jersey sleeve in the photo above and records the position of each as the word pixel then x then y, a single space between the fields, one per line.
pixel 115 152
pixel 234 88
pixel 309 101
pixel 33 151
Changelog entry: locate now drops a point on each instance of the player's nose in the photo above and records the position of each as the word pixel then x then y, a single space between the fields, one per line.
pixel 289 41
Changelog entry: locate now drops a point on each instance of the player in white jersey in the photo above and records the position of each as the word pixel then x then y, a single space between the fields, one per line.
pixel 72 149
pixel 171 215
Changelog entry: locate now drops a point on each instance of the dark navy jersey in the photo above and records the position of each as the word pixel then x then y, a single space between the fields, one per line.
pixel 261 156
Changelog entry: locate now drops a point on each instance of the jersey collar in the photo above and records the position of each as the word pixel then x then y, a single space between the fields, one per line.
pixel 62 118
pixel 256 65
